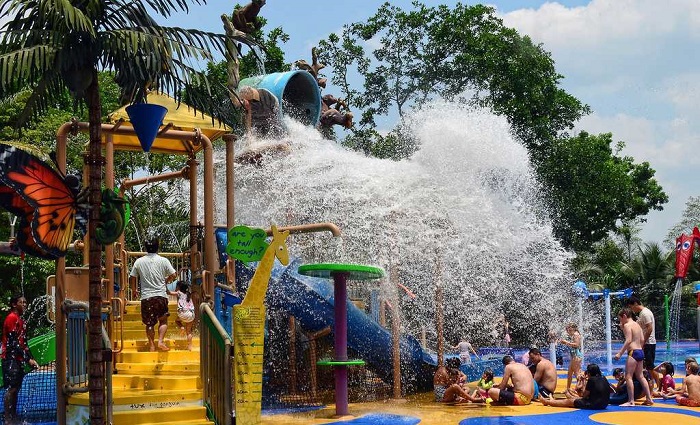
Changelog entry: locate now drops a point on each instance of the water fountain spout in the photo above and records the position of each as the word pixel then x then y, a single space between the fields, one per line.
pixel 310 228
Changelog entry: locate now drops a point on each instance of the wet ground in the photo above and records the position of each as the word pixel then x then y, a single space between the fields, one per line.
pixel 421 409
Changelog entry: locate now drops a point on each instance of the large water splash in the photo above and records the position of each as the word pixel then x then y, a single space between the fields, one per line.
pixel 465 207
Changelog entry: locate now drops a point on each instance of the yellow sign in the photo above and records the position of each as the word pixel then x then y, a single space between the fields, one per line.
pixel 248 328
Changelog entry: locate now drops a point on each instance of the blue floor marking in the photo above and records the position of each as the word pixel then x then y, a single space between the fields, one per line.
pixel 574 417
pixel 380 419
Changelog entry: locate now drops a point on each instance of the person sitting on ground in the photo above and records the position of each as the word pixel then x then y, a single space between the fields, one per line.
pixel 666 383
pixel 545 373
pixel 484 384
pixel 522 389
pixel 619 394
pixel 690 390
pixel 581 381
pixel 446 383
pixel 595 396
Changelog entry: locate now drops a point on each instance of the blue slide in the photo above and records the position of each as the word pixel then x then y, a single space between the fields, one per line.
pixel 310 300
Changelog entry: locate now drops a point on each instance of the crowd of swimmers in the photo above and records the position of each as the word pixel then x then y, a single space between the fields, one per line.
pixel 537 380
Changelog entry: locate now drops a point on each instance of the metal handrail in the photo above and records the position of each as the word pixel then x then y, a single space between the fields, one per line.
pixel 215 366
pixel 120 309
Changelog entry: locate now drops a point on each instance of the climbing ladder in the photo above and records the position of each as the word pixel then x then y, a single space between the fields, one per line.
pixel 154 387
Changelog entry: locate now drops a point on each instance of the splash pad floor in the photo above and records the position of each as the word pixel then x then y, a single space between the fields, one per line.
pixel 422 410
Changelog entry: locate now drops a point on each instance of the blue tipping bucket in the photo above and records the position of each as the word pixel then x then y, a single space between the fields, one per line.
pixel 146 119
pixel 297 92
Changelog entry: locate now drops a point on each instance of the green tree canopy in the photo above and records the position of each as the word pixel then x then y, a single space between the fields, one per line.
pixel 463 53
pixel 593 190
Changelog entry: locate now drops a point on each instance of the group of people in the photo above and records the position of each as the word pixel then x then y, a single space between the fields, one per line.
pixel 521 383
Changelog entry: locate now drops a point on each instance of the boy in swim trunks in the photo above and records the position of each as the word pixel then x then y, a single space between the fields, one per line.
pixel 523 388
pixel 690 391
pixel 634 341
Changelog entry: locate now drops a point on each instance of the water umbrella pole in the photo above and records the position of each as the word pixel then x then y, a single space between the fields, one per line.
pixel 439 318
pixel 697 294
pixel 340 294
pixel 395 338
pixel 667 323
pixel 608 328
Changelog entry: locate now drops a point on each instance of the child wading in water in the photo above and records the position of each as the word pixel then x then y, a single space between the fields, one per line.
pixel 185 311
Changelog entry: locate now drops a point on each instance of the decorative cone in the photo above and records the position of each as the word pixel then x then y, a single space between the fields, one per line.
pixel 146 119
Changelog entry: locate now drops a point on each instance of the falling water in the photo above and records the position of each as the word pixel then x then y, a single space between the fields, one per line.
pixel 468 196
pixel 675 314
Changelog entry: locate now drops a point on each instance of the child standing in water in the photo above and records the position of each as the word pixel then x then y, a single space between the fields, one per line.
pixel 574 344
pixel 185 311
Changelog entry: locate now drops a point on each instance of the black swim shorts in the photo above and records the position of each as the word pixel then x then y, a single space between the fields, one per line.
pixel 649 355
pixel 12 373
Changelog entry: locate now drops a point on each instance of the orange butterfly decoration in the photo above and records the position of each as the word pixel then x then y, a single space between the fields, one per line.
pixel 48 204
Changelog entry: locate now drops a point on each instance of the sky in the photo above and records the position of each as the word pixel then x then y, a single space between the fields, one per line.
pixel 632 61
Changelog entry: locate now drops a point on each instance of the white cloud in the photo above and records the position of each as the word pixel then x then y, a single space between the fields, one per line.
pixel 635 63
pixel 683 91
pixel 604 21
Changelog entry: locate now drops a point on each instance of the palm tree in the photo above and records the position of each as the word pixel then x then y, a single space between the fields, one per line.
pixel 52 45
pixel 651 271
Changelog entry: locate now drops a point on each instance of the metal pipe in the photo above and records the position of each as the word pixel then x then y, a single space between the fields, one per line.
pixel 109 258
pixel 61 346
pixel 210 261
pixel 309 228
pixel 439 314
pixel 171 175
pixel 230 139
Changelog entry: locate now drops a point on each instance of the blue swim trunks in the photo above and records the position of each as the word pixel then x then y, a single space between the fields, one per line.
pixel 638 354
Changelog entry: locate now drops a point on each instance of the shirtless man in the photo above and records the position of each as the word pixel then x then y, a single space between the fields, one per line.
pixel 522 389
pixel 634 341
pixel 690 391
pixel 545 373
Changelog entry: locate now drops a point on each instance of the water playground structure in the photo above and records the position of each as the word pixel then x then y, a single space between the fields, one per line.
pixel 128 367
pixel 294 339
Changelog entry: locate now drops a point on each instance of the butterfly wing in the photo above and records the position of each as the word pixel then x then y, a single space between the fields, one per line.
pixel 45 191
pixel 19 207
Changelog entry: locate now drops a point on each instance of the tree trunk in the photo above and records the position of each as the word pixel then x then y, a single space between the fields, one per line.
pixel 94 160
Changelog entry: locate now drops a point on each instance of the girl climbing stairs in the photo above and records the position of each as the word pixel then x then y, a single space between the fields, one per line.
pixel 161 387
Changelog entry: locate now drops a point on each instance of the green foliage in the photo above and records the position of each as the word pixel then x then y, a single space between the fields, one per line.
pixel 268 55
pixel 430 52
pixel 593 189
pixel 689 219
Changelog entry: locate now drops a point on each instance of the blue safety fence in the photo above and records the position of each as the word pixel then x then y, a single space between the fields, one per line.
pixel 36 401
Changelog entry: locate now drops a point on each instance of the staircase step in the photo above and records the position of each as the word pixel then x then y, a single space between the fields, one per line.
pixel 131 356
pixel 170 368
pixel 141 344
pixel 133 399
pixel 140 333
pixel 176 415
pixel 155 382
pixel 134 308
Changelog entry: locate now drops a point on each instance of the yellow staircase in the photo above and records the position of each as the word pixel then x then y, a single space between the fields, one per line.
pixel 154 387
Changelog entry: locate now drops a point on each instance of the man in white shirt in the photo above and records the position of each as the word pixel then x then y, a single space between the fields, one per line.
pixel 154 273
pixel 645 319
